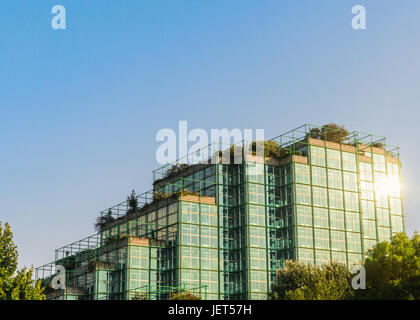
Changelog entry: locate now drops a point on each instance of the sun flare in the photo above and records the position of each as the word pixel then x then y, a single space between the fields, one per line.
pixel 387 186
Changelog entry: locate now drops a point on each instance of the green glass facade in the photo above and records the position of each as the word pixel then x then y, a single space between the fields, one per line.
pixel 222 230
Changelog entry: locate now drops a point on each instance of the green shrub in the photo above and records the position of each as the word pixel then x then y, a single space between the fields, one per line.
pixel 182 295
pixel 330 132
pixel 176 169
pixel 102 220
pixel 378 145
pixel 299 281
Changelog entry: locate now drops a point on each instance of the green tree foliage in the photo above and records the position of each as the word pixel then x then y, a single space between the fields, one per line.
pixel 133 203
pixel 103 219
pixel 273 150
pixel 182 295
pixel 176 169
pixel 393 269
pixel 392 272
pixel 299 281
pixel 378 144
pixel 8 253
pixel 19 286
pixel 330 132
pixel 139 296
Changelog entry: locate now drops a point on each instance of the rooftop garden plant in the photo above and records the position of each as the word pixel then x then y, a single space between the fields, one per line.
pixel 378 144
pixel 139 296
pixel 337 133
pixel 173 171
pixel 330 132
pixel 133 203
pixel 184 295
pixel 273 150
pixel 102 220
pixel 176 169
pixel 157 195
pixel 133 206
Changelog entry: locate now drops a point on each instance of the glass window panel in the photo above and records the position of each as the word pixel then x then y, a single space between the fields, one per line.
pixel 349 161
pixel 339 257
pixel 397 224
pixel 352 221
pixel 321 217
pixel 365 170
pixel 333 159
pixel 303 194
pixel 351 201
pixel 306 255
pixel 366 190
pixel 383 234
pixel 383 217
pixel 302 173
pixel 304 215
pixel 354 243
pixel 336 199
pixel 322 257
pixel 317 156
pixel 322 238
pixel 369 229
pixel 335 179
pixel 350 181
pixel 338 240
pixel 379 162
pixel 337 219
pixel 319 176
pixel 305 237
pixel 368 209
pixel 320 197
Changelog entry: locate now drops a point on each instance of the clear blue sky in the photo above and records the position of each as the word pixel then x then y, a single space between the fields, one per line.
pixel 80 108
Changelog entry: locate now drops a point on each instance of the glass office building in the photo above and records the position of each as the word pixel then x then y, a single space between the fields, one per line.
pixel 221 230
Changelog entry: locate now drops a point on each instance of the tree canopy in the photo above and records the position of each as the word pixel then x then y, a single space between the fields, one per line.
pixel 392 272
pixel 299 281
pixel 15 284
pixel 330 132
pixel 393 269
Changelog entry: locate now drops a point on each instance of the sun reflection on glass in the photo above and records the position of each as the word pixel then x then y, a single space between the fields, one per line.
pixel 387 186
